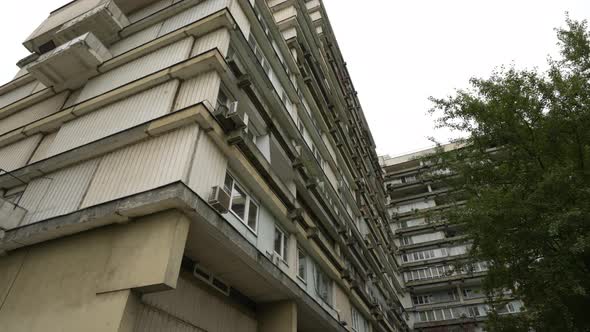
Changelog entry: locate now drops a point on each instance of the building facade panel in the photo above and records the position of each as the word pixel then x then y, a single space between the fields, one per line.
pixel 18 93
pixel 143 166
pixel 116 117
pixel 17 154
pixel 204 87
pixel 195 303
pixel 33 113
pixel 57 193
pixel 193 14
pixel 145 65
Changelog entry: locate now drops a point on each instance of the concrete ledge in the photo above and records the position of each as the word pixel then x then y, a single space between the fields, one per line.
pixel 166 123
pixel 172 196
pixel 26 102
pixel 209 60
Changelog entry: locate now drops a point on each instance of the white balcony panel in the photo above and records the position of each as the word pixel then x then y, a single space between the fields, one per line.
pixel 17 154
pixel 45 31
pixel 33 113
pixel 149 10
pixel 70 65
pixel 208 168
pixel 193 14
pixel 137 39
pixel 148 64
pixel 57 193
pixel 42 151
pixel 204 87
pixel 217 39
pixel 115 117
pixel 144 166
pixel 104 21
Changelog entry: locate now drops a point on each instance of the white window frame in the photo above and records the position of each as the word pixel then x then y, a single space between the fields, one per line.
pixel 249 200
pixel 301 258
pixel 283 243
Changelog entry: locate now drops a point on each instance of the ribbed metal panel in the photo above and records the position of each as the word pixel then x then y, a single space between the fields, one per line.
pixel 193 14
pixel 57 193
pixel 16 155
pixel 17 94
pixel 140 167
pixel 33 113
pixel 208 168
pixel 148 10
pixel 199 307
pixel 240 17
pixel 43 149
pixel 116 117
pixel 135 40
pixel 198 89
pixel 133 70
pixel 150 319
pixel 217 39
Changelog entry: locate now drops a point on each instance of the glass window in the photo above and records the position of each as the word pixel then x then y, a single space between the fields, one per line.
pixel 323 285
pixel 238 202
pixel 301 264
pixel 423 317
pixel 252 214
pixel 242 205
pixel 280 245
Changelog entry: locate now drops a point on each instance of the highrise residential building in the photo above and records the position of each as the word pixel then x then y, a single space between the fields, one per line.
pixel 192 165
pixel 443 287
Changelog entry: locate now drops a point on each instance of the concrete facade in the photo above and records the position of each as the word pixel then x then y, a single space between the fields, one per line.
pixel 190 165
pixel 442 294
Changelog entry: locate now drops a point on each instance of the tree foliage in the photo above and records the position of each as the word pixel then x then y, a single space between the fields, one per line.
pixel 524 170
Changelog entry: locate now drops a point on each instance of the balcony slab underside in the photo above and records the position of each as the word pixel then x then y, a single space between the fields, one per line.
pixel 212 241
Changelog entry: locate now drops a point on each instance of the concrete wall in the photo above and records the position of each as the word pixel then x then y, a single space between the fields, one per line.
pixel 201 307
pixel 55 286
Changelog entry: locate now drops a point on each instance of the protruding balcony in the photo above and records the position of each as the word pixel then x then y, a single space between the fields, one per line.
pixel 10 215
pixel 104 21
pixel 70 65
pixel 104 18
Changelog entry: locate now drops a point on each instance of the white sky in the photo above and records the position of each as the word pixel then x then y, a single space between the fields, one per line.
pixel 398 52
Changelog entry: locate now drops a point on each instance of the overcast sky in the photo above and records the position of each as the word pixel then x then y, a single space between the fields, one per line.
pixel 398 52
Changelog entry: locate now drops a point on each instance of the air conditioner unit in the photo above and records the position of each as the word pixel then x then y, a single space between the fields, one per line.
pixel 229 117
pixel 219 199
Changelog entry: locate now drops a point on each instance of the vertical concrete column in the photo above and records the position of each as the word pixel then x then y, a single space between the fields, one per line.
pixel 277 317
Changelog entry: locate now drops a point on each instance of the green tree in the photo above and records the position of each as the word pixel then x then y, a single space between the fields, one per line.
pixel 524 170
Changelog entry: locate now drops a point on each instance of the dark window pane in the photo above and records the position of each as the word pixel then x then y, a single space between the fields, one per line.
pixel 252 215
pixel 238 202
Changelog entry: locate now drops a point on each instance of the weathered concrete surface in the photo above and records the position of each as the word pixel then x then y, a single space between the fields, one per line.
pixel 84 282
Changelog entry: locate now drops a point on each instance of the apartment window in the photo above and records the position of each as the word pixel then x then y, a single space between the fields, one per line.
pixel 222 99
pixel 323 286
pixel 474 312
pixel 406 240
pixel 301 126
pixel 241 204
pixel 280 245
pixel 359 324
pixel 301 265
pixel 422 299
pixel 470 293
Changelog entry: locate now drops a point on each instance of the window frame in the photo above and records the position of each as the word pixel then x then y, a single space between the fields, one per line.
pixel 301 258
pixel 249 200
pixel 283 242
